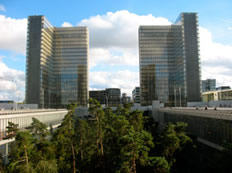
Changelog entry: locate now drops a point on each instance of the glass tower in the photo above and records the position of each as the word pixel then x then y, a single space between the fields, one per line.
pixel 169 62
pixel 57 64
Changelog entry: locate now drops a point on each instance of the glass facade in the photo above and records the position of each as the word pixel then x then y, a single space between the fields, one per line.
pixel 136 95
pixel 71 65
pixel 62 54
pixel 113 96
pixel 189 24
pixel 161 63
pixel 99 95
pixel 169 62
pixel 208 85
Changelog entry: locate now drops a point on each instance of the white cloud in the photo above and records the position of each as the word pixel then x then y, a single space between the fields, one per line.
pixel 114 37
pixel 2 8
pixel 66 24
pixel 216 59
pixel 119 29
pixel 113 57
pixel 13 34
pixel 230 28
pixel 124 79
pixel 12 83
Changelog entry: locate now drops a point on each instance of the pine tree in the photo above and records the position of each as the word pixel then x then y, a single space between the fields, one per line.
pixel 12 130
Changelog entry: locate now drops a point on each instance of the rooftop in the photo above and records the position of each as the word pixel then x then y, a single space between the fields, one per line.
pixel 220 113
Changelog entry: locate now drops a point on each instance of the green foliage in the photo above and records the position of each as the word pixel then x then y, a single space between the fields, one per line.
pixel 159 165
pixel 38 129
pixel 71 106
pixel 97 111
pixel 46 166
pixel 173 139
pixel 109 141
pixel 136 146
pixel 64 139
pixel 136 119
pixel 2 167
pixel 20 157
pixel 12 129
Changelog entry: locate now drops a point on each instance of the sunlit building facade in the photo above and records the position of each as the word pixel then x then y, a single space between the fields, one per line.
pixel 57 64
pixel 169 62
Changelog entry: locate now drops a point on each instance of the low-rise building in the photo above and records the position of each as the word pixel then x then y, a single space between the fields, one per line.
pixel 109 97
pixel 217 95
pixel 113 97
pixel 136 95
pixel 125 99
pixel 223 88
pixel 99 95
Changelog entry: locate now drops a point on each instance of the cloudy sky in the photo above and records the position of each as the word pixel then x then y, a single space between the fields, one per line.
pixel 113 27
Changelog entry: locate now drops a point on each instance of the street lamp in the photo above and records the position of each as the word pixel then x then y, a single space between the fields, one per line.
pixel 180 95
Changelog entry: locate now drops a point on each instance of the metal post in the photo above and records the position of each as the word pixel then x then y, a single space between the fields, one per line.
pixel 106 97
pixel 180 96
pixel 106 101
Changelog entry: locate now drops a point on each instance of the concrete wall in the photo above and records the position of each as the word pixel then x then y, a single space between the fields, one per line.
pixel 221 103
pixel 214 130
pixel 24 118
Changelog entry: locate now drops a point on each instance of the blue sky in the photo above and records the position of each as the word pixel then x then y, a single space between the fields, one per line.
pixel 113 63
pixel 216 15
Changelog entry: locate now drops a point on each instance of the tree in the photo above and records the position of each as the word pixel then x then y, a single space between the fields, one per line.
pixel 158 165
pixel 12 130
pixel 173 139
pixel 20 156
pixel 46 166
pixel 96 110
pixel 2 168
pixel 71 106
pixel 64 139
pixel 136 120
pixel 38 129
pixel 135 148
pixel 43 149
pixel 116 127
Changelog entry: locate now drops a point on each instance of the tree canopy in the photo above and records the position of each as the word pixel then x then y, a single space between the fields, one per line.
pixel 106 141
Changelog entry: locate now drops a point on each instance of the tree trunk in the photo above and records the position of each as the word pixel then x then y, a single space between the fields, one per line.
pixel 74 160
pixel 133 168
pixel 101 143
pixel 26 157
pixel 81 144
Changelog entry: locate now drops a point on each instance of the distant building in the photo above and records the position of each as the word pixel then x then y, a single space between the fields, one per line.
pixel 169 62
pixel 223 88
pixel 208 85
pixel 6 101
pixel 217 95
pixel 113 97
pixel 125 99
pixel 16 106
pixel 136 95
pixel 99 95
pixel 110 96
pixel 57 64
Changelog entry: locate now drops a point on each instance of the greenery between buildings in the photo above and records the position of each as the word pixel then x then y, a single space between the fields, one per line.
pixel 121 141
